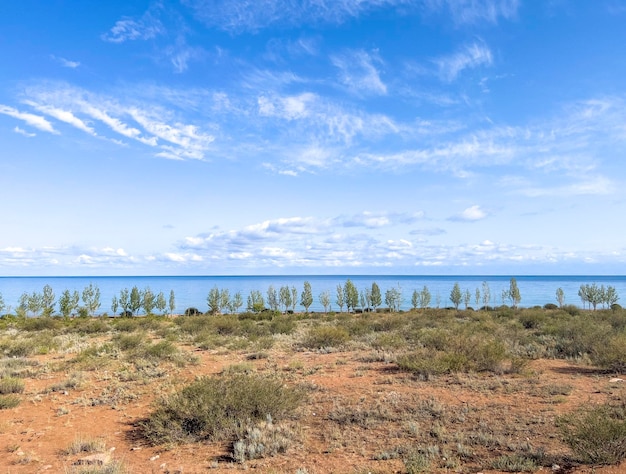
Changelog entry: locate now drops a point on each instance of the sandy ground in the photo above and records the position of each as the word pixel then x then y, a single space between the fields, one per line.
pixel 35 436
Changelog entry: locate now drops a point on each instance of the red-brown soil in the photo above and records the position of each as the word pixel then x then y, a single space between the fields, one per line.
pixel 35 435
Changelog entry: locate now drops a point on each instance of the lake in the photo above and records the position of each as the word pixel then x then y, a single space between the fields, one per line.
pixel 192 291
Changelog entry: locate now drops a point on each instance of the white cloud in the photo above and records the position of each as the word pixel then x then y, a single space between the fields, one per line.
pixel 128 29
pixel 65 62
pixel 63 116
pixel 251 15
pixel 474 11
pixel 24 132
pixel 471 214
pixel 469 57
pixel 36 121
pixel 358 73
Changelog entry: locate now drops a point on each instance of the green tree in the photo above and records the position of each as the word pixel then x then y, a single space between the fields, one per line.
pixel 325 300
pixel 135 300
pixel 294 299
pixel 272 298
pixel 456 296
pixel 560 296
pixel 467 298
pixel 172 302
pixel 486 294
pixel 393 299
pixel 148 300
pixel 477 297
pixel 35 302
pixel 514 293
pixel 68 302
pixel 416 299
pixel 284 298
pixel 425 297
pixel 48 301
pixel 161 303
pixel 351 295
pixel 2 306
pixel 124 301
pixel 224 299
pixel 340 298
pixel 236 302
pixel 376 296
pixel 256 304
pixel 213 300
pixel 22 304
pixel 611 296
pixel 115 304
pixel 306 298
pixel 91 298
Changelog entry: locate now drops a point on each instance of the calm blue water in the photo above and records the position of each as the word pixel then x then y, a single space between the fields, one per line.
pixel 193 290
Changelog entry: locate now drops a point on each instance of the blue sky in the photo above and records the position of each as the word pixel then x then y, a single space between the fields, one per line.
pixel 312 136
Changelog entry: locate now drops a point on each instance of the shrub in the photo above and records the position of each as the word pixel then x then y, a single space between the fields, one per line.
pixel 514 463
pixel 550 306
pixel 216 408
pixel 128 342
pixel 282 325
pixel 9 401
pixel 616 307
pixel 39 324
pixel 610 354
pixel 192 312
pixel 11 385
pixel 596 434
pixel 262 440
pixel 325 336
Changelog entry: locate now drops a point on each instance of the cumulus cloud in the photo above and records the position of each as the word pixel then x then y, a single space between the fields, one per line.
pixel 471 214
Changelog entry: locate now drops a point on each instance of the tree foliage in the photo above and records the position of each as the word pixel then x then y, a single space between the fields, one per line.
pixel 306 298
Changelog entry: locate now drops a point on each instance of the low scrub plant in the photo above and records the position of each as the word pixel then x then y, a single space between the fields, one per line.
pixel 9 401
pixel 262 440
pixel 325 336
pixel 597 434
pixel 11 385
pixel 216 408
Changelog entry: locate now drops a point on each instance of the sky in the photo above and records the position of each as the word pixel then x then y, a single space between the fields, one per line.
pixel 247 137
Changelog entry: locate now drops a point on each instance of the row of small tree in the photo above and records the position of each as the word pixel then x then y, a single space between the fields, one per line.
pixel 132 302
pixel 69 302
pixel 593 295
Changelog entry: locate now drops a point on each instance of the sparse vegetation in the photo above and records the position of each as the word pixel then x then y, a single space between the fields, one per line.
pixel 427 390
pixel 216 408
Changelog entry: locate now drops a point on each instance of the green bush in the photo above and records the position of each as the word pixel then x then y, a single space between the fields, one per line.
pixel 39 324
pixel 11 385
pixel 128 342
pixel 282 325
pixel 9 401
pixel 550 306
pixel 325 336
pixel 217 408
pixel 597 435
pixel 610 354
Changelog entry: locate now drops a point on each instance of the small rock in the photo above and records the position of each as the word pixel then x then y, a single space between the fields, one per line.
pixel 616 379
pixel 155 457
pixel 556 467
